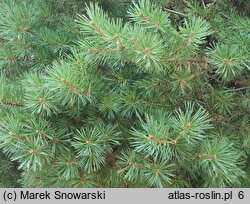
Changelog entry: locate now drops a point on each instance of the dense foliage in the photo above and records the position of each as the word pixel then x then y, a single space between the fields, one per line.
pixel 124 94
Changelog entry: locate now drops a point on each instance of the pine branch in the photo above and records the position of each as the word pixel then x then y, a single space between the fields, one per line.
pixel 188 126
pixel 175 12
pixel 12 103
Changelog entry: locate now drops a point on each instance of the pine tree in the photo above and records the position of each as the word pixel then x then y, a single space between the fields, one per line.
pixel 156 98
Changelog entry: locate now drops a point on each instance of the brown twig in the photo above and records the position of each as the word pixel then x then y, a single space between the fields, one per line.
pixel 188 126
pixel 71 86
pixel 12 103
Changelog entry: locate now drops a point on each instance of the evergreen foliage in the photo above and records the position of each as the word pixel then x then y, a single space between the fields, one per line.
pixel 9 176
pixel 154 96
